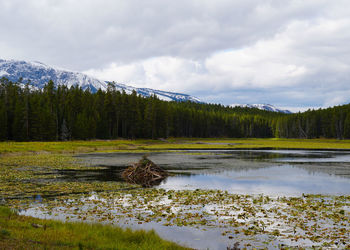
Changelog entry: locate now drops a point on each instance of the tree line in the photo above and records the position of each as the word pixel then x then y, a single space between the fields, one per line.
pixel 61 113
pixel 322 123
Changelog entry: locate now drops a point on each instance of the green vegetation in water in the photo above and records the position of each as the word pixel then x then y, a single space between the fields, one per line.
pixel 27 175
pixel 311 220
pixel 21 232
pixel 318 220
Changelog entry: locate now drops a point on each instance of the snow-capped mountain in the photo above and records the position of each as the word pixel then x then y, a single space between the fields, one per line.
pixel 267 107
pixel 39 74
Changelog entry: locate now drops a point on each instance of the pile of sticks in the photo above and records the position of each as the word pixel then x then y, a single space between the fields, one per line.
pixel 145 173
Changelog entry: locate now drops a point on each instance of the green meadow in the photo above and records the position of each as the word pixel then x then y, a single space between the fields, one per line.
pixel 170 144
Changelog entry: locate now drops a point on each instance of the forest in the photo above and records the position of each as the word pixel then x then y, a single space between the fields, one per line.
pixel 61 113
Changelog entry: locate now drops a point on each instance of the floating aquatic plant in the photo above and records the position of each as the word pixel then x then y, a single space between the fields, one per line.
pixel 309 220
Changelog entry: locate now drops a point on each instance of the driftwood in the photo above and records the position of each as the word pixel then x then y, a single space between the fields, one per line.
pixel 145 173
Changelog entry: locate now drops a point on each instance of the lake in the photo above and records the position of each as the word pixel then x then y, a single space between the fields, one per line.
pixel 262 197
pixel 269 172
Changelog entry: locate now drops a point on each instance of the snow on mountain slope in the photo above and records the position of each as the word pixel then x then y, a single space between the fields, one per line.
pixel 39 74
pixel 267 107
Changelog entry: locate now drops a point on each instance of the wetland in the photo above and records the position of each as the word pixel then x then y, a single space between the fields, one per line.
pixel 213 198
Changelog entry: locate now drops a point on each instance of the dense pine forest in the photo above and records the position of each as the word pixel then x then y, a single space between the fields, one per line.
pixel 322 123
pixel 70 113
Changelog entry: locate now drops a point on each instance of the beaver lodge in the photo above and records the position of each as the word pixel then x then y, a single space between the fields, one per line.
pixel 145 173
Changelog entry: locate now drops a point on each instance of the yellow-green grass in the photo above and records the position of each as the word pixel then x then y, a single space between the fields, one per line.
pixel 25 175
pixel 72 146
pixel 21 232
pixel 170 144
pixel 255 143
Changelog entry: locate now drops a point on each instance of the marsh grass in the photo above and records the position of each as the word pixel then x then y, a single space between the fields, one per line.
pixel 255 143
pixel 31 168
pixel 170 144
pixel 20 232
pixel 65 146
pixel 27 175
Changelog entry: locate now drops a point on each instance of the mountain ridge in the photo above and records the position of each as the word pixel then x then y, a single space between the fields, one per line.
pixel 39 74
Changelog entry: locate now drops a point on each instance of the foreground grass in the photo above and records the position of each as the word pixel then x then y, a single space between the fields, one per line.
pixel 170 144
pixel 20 232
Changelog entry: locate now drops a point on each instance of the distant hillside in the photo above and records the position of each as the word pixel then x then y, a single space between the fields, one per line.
pixel 267 107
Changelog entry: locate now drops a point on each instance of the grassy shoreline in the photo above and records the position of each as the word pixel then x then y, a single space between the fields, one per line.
pixel 22 232
pixel 170 144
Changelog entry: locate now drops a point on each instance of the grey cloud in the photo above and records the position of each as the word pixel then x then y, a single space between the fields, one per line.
pixel 88 34
pixel 283 52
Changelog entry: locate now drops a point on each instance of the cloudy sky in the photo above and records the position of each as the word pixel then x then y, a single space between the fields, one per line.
pixel 291 53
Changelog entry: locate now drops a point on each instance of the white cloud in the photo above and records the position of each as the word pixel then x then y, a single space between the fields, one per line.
pixel 281 64
pixel 167 73
pixel 284 52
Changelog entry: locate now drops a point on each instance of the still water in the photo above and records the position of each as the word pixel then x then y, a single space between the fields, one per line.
pixel 269 172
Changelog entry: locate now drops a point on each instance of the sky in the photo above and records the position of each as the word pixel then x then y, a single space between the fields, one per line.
pixel 293 54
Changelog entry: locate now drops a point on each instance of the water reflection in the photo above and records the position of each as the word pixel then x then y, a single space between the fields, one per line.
pixel 104 173
pixel 271 172
pixel 277 180
pixel 210 238
pixel 268 172
pixel 38 198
